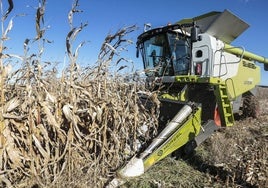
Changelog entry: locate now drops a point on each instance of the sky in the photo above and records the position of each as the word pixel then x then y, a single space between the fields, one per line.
pixel 107 16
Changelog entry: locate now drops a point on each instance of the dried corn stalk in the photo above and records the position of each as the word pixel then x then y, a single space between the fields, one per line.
pixel 46 135
pixel 87 120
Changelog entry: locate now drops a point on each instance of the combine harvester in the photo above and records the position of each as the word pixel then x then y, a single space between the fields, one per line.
pixel 203 82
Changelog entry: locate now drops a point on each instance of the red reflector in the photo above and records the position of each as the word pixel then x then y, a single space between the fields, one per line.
pixel 217 117
pixel 198 69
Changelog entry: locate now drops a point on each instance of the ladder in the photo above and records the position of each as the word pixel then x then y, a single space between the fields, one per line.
pixel 224 105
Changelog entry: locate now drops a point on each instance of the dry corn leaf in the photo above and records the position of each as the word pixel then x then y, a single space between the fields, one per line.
pixel 12 104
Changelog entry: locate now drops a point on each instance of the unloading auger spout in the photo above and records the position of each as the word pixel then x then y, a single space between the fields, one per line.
pixel 246 54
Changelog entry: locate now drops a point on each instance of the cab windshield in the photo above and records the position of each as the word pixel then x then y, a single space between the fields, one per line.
pixel 166 54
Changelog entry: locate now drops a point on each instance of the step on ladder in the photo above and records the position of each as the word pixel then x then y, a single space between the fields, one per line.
pixel 224 105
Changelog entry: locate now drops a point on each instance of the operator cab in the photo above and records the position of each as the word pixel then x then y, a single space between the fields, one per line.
pixel 165 51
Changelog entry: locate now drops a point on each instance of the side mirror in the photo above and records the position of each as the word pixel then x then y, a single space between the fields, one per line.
pixel 137 52
pixel 266 67
pixel 195 31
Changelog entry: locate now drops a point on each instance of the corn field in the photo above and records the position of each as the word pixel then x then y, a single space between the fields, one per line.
pixel 56 126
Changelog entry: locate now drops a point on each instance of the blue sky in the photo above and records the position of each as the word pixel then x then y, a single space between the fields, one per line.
pixel 106 16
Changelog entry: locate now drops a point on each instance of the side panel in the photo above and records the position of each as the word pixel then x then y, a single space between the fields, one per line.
pixel 248 76
pixel 225 65
pixel 202 55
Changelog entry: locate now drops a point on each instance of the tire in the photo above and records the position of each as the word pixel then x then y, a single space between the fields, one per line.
pixel 251 106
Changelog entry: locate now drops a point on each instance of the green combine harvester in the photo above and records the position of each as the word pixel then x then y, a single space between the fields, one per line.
pixel 202 80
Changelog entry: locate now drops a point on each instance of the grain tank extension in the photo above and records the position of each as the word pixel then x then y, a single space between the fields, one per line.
pixel 203 82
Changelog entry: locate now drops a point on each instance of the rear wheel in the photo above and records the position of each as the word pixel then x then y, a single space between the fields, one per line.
pixel 250 106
